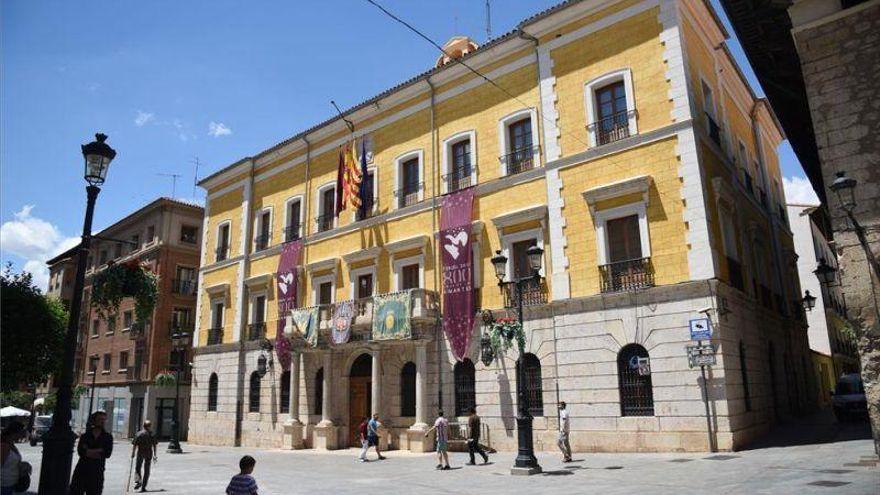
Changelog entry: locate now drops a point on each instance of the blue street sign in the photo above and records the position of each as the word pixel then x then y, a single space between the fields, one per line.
pixel 701 329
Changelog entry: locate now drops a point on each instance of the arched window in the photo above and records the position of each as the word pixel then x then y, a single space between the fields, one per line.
pixel 534 390
pixel 318 406
pixel 284 407
pixel 465 389
pixel 408 389
pixel 212 392
pixel 636 392
pixel 747 398
pixel 254 393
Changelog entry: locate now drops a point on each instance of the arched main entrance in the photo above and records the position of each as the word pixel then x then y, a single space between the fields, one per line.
pixel 359 395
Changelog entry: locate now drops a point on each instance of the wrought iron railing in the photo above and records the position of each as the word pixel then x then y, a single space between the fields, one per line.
pixel 256 331
pixel 222 252
pixel 458 179
pixel 520 160
pixel 181 327
pixel 735 273
pixel 714 129
pixel 292 232
pixel 627 275
pixel 408 194
pixel 183 287
pixel 534 292
pixel 612 128
pixel 215 336
pixel 366 209
pixel 262 241
pixel 324 222
pixel 133 373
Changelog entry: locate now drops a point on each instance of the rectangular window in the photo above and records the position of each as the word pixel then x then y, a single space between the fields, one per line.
pixel 365 285
pixel 135 242
pixel 292 229
pixel 520 156
pixel 624 239
pixel 409 277
pixel 217 315
pixel 151 233
pixel 520 258
pixel 410 182
pixel 123 360
pixel 96 324
pixel 127 320
pixel 188 234
pixel 460 171
pixel 612 122
pixel 328 207
pixel 111 325
pixel 223 242
pixel 259 309
pixel 107 362
pixel 181 319
pixel 264 231
pixel 325 293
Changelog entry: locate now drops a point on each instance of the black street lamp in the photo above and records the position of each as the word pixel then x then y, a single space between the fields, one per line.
pixel 809 301
pixel 825 273
pixel 180 341
pixel 526 462
pixel 264 363
pixel 58 444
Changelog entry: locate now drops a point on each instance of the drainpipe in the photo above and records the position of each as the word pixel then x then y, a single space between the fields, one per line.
pixel 242 304
pixel 307 198
pixel 435 181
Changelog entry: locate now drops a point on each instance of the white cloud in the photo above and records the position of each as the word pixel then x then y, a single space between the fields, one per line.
pixel 143 118
pixel 218 129
pixel 36 241
pixel 798 190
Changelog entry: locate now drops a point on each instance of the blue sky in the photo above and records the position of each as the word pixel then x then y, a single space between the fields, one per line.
pixel 171 81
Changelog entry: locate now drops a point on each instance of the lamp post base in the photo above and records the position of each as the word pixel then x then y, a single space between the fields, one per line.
pixel 526 471
pixel 526 463
pixel 57 461
pixel 174 447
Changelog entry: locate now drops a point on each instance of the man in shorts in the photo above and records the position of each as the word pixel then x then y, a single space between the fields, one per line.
pixel 442 427
pixel 373 435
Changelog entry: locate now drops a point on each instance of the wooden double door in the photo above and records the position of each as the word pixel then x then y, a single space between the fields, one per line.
pixel 360 395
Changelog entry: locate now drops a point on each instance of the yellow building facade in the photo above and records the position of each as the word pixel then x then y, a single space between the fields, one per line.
pixel 619 137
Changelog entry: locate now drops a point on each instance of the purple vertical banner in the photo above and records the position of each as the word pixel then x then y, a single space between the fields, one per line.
pixel 456 255
pixel 286 289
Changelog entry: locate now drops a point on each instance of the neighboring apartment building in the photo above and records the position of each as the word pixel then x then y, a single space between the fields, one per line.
pixel 62 272
pixel 626 143
pixel 834 350
pixel 817 61
pixel 120 357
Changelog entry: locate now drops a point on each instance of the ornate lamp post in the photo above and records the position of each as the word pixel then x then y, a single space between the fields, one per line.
pixel 809 301
pixel 264 363
pixel 526 462
pixel 825 273
pixel 180 342
pixel 58 445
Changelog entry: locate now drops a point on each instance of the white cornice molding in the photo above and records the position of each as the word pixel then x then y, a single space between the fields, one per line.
pixel 363 255
pixel 633 185
pixel 323 265
pixel 397 247
pixel 258 281
pixel 519 217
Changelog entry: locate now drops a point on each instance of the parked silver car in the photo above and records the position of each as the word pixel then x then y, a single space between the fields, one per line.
pixel 848 399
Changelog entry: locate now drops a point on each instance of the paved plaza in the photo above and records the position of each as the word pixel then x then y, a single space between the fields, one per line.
pixel 813 456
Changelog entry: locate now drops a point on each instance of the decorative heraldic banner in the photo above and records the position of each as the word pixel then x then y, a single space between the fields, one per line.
pixel 457 258
pixel 343 314
pixel 286 285
pixel 306 321
pixel 391 316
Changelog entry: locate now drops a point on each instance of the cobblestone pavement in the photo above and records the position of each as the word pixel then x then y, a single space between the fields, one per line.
pixel 812 456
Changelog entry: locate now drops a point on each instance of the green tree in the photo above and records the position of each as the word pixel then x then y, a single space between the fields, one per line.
pixel 32 331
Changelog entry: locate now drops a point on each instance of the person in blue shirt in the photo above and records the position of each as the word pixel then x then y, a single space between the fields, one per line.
pixel 373 434
pixel 243 483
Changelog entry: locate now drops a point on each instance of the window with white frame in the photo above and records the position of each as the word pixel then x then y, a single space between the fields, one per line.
pixel 293 219
pixel 710 111
pixel 409 187
pixel 624 248
pixel 515 246
pixel 217 314
pixel 409 273
pixel 363 282
pixel 263 229
pixel 257 326
pixel 326 218
pixel 611 107
pixel 516 133
pixel 222 250
pixel 324 289
pixel 459 163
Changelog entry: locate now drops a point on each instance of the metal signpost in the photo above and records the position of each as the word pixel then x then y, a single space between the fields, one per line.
pixel 703 355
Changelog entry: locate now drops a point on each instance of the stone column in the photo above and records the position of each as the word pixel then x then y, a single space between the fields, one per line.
pixel 416 432
pixel 293 428
pixel 325 431
pixel 376 399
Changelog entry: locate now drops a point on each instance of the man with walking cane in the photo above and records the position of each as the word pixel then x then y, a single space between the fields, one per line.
pixel 144 446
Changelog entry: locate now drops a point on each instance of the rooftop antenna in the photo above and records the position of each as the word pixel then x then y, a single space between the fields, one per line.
pixel 173 182
pixel 488 21
pixel 347 122
pixel 195 161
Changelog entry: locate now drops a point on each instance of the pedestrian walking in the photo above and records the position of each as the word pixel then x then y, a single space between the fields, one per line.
pixel 144 447
pixel 473 440
pixel 94 448
pixel 15 474
pixel 362 436
pixel 441 425
pixel 243 483
pixel 373 435
pixel 562 441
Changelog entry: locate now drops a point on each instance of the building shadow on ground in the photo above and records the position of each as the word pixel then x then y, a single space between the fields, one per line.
pixel 817 428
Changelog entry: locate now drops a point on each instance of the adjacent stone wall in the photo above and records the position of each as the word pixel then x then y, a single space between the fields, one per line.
pixel 841 65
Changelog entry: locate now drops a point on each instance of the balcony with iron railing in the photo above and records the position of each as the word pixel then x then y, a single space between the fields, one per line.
pixel 133 373
pixel 409 194
pixel 520 160
pixel 178 327
pixel 324 222
pixel 611 128
pixel 222 252
pixel 627 275
pixel 366 210
pixel 183 287
pixel 534 292
pixel 256 331
pixel 460 177
pixel 215 336
pixel 714 129
pixel 262 241
pixel 292 232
